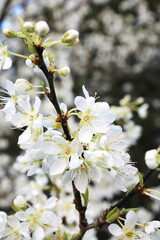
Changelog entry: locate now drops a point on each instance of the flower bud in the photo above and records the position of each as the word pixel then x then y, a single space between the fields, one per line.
pixel 64 71
pixel 19 201
pixel 22 85
pixel 152 159
pixel 9 33
pixel 42 28
pixel 29 26
pixel 139 100
pixel 70 37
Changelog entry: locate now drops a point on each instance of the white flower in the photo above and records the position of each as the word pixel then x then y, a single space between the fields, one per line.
pixel 95 117
pixel 29 114
pixel 122 112
pixel 41 219
pixel 142 110
pixel 128 230
pixel 32 160
pixel 63 154
pixel 11 101
pixel 125 176
pixel 113 142
pixel 16 230
pixel 29 117
pixel 5 60
pixel 81 176
pixel 152 158
pixel 152 228
pixel 132 132
pixel 42 28
pixel 3 222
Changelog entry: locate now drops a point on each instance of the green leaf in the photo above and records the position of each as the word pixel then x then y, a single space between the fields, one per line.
pixel 130 189
pixel 21 21
pixel 86 197
pixel 113 215
pixel 31 47
pixel 23 30
pixel 141 181
pixel 125 211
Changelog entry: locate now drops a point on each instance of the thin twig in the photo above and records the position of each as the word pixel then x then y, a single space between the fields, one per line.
pixel 53 98
pixel 101 221
pixel 52 95
pixel 80 208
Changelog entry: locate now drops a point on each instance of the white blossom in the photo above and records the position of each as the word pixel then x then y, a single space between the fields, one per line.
pixel 5 60
pixel 95 117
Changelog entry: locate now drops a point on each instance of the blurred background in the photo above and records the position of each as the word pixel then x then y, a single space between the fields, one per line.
pixel 118 54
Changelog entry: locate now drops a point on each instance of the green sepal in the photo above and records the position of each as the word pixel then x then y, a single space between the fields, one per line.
pixel 65 236
pixel 16 209
pixel 31 47
pixel 86 197
pixel 130 189
pixel 113 215
pixel 141 180
pixel 61 235
pixel 75 236
pixel 22 28
pixel 125 211
pixel 44 87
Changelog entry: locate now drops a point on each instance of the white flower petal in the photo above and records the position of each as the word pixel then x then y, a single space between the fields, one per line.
pixel 58 166
pixel 33 169
pixel 86 94
pixel 50 203
pixel 7 63
pixel 21 215
pixel 115 230
pixel 85 134
pixel 131 219
pixel 38 233
pixel 13 222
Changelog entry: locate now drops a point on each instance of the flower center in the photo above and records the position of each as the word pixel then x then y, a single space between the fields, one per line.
pixel 86 118
pixel 67 150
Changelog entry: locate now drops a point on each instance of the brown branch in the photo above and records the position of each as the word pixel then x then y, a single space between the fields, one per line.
pixel 80 208
pixel 53 98
pixel 101 221
pixel 52 95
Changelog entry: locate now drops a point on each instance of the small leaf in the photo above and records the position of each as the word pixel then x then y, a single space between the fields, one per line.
pixel 86 197
pixel 31 47
pixel 113 215
pixel 141 181
pixel 130 189
pixel 125 211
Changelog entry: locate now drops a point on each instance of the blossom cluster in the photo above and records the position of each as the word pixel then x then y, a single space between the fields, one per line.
pixel 133 230
pixel 83 146
pixel 97 144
